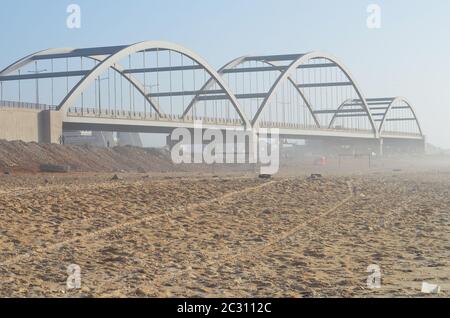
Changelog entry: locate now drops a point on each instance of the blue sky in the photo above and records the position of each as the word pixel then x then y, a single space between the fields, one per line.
pixel 409 55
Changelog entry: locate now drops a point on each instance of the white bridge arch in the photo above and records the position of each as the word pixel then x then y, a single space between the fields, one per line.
pixel 316 83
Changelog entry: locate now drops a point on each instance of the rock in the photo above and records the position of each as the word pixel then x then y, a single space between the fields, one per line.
pixel 85 289
pixel 265 176
pixel 315 176
pixel 115 178
pixel 430 288
pixel 139 292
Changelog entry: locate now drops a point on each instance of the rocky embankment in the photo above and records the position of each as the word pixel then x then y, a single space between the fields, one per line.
pixel 18 156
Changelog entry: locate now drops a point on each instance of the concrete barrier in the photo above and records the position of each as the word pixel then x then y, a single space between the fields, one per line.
pixel 54 168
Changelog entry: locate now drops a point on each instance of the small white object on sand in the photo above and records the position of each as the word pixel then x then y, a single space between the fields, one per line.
pixel 430 288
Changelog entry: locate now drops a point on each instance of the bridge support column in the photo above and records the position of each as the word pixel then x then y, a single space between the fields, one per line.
pixel 381 147
pixel 424 145
pixel 50 127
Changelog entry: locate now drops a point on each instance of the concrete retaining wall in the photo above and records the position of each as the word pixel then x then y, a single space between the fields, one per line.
pixel 30 125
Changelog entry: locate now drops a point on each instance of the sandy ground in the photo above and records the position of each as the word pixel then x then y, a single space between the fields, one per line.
pixel 225 236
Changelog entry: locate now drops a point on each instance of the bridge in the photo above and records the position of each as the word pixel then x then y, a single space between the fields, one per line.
pixel 155 87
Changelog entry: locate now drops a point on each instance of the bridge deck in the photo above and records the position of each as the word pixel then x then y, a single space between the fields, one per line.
pixel 146 123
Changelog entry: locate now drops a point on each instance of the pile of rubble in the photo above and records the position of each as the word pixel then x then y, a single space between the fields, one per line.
pixel 18 156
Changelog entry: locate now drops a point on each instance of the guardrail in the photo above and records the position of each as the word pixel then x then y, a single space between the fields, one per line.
pixel 25 105
pixel 400 134
pixel 133 115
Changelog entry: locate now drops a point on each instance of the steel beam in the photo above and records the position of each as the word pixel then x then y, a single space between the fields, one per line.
pixel 318 65
pixel 42 75
pixel 163 69
pixel 238 96
pixel 339 111
pixel 378 108
pixel 384 99
pixel 273 68
pixel 274 58
pixel 87 52
pixel 186 93
pixel 398 119
pixel 254 69
pixel 357 115
pixel 334 84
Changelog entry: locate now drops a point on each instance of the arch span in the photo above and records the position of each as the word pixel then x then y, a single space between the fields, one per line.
pixel 403 100
pixel 99 58
pixel 235 63
pixel 377 114
pixel 142 46
pixel 303 59
pixel 387 105
pixel 338 110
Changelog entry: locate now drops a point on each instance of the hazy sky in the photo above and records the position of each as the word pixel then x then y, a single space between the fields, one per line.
pixel 409 55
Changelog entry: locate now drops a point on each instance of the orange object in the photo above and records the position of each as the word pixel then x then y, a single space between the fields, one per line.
pixel 322 161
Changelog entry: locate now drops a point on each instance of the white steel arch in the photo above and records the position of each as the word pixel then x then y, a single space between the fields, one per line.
pixel 29 58
pixel 142 46
pixel 391 105
pixel 302 60
pixel 209 83
pixel 238 61
pixel 99 58
pixel 109 57
pixel 342 106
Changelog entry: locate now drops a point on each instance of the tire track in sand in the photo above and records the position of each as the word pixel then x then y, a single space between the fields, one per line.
pixel 245 254
pixel 118 227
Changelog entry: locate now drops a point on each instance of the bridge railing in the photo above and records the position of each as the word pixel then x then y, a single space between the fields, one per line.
pixel 136 115
pixel 269 124
pixel 131 115
pixel 400 134
pixel 25 105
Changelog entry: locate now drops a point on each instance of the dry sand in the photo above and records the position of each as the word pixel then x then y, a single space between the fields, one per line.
pixel 160 236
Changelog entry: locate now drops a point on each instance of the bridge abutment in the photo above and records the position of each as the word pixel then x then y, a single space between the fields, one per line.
pixel 30 125
pixel 50 127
